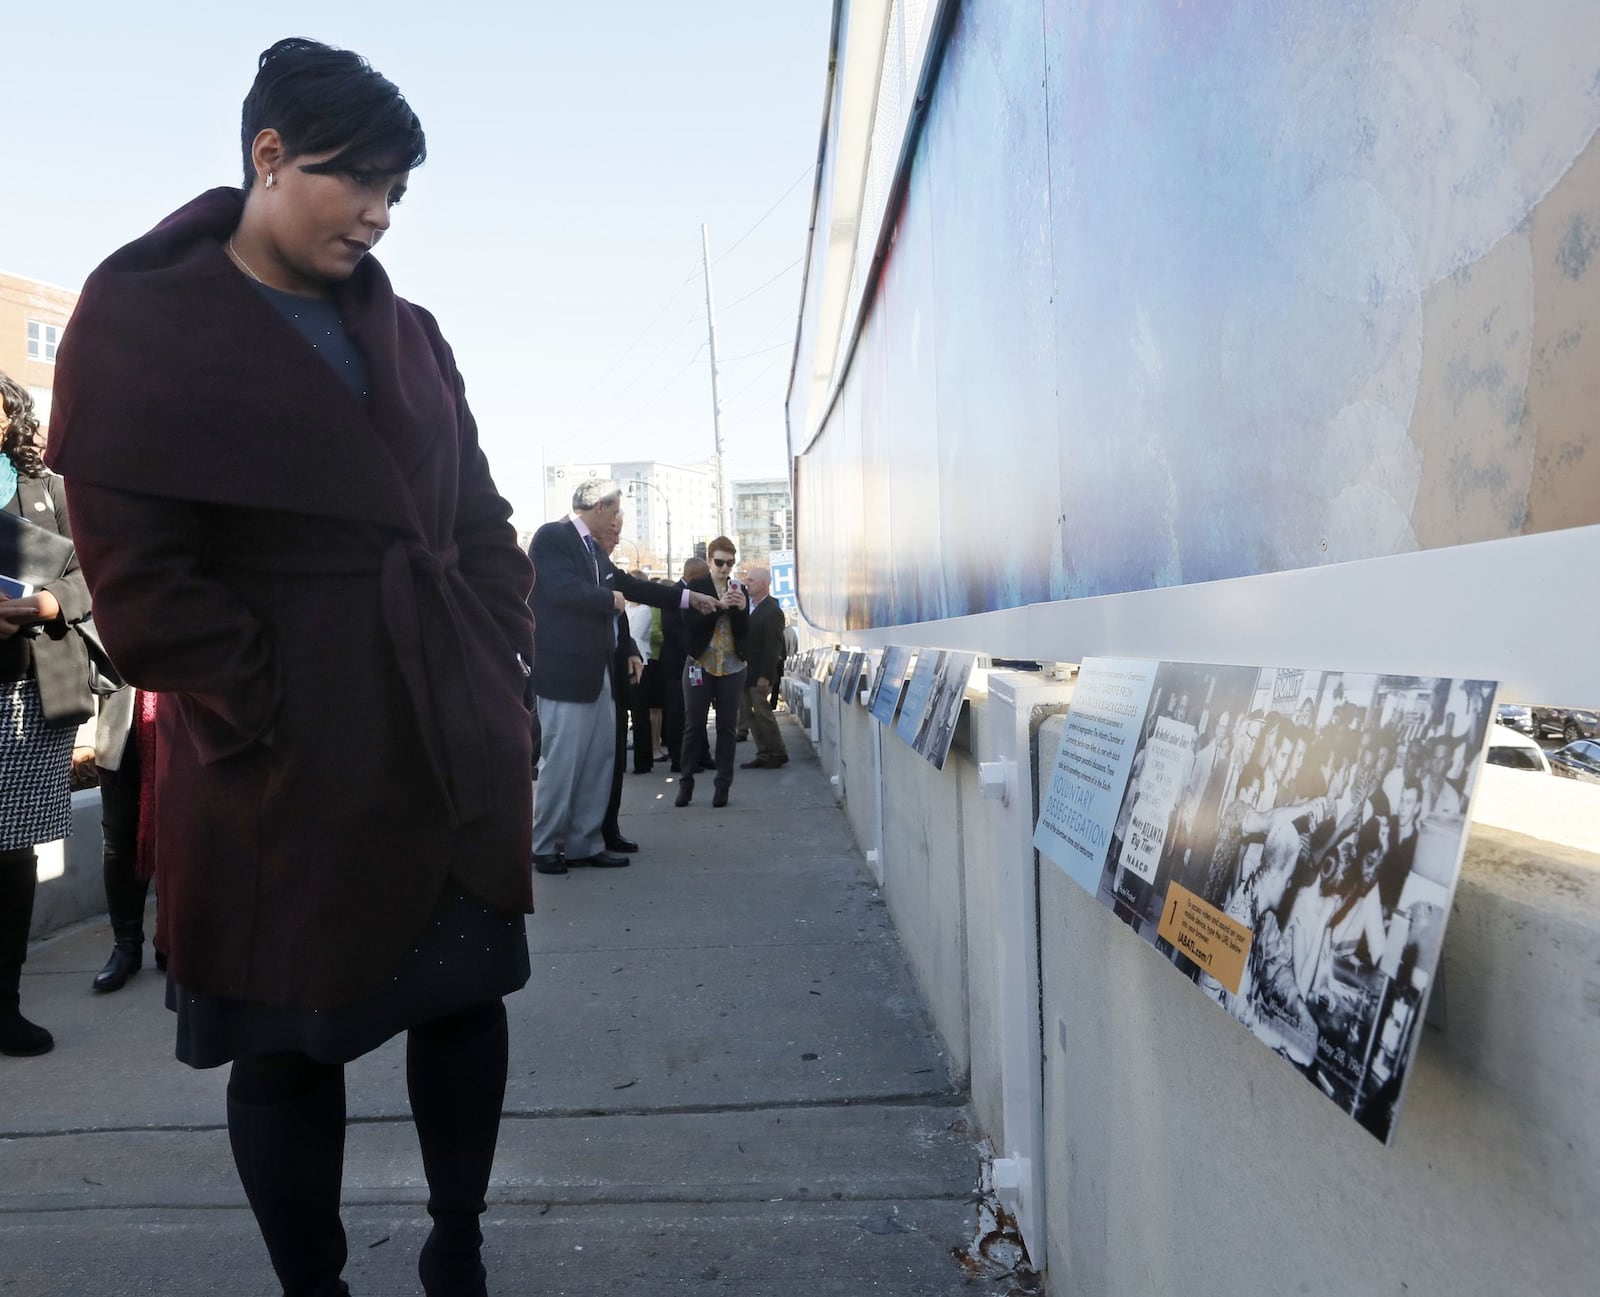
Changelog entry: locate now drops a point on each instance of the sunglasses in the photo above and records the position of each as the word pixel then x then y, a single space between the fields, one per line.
pixel 723 562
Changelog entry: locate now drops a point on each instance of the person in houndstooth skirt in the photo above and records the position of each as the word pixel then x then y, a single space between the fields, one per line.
pixel 44 696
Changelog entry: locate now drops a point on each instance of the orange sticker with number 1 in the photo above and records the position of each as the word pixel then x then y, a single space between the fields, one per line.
pixel 1215 942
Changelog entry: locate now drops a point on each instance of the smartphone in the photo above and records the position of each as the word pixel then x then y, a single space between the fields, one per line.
pixel 11 588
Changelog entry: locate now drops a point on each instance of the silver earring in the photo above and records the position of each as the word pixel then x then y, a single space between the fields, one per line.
pixel 272 177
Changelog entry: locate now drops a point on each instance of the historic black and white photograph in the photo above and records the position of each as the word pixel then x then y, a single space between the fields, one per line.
pixel 1324 814
pixel 938 725
pixel 891 679
pixel 840 671
pixel 850 685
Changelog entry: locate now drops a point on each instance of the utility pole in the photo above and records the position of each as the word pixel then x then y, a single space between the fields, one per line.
pixel 716 393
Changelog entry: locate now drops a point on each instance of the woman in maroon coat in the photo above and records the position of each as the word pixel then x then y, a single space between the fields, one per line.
pixel 291 533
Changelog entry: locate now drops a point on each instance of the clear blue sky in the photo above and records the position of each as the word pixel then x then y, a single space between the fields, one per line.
pixel 574 150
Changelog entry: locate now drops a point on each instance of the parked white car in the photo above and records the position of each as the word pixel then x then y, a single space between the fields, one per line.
pixel 1516 751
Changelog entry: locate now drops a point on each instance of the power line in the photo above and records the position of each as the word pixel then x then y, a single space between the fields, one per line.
pixel 694 316
pixel 765 370
pixel 665 386
pixel 687 280
pixel 760 352
pixel 810 167
pixel 744 416
pixel 651 364
pixel 628 350
pixel 768 284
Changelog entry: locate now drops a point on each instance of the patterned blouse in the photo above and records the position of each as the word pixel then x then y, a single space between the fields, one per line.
pixel 720 657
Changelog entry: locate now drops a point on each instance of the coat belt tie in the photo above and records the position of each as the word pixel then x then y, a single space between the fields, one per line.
pixel 423 621
pixel 425 627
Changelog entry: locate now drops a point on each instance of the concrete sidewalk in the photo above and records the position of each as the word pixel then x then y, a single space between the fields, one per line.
pixel 722 1080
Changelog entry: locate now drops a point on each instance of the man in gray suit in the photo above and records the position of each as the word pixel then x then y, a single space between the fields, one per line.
pixel 577 594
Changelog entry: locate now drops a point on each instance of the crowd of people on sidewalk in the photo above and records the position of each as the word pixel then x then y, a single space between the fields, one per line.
pixel 266 525
pixel 714 642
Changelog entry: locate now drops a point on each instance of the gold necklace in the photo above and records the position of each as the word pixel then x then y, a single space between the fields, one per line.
pixel 243 264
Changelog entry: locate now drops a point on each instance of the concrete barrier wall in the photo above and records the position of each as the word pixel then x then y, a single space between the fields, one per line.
pixel 923 864
pixel 1180 1156
pixel 983 957
pixel 857 763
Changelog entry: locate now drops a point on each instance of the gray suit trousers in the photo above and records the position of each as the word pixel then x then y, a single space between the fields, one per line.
pixel 574 784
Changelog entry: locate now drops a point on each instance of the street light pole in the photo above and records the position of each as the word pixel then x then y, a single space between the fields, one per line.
pixel 666 505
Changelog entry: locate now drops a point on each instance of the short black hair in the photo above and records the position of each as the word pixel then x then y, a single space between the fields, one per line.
pixel 326 100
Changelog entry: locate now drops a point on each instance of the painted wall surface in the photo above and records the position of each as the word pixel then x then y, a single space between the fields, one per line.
pixel 1181 293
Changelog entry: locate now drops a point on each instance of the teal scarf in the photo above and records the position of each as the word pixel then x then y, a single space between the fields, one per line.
pixel 8 479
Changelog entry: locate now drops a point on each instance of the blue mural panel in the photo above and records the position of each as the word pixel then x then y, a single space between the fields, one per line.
pixel 985 144
pixel 915 579
pixel 1189 292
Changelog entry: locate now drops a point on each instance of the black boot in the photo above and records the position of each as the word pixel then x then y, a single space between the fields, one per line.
pixel 456 1075
pixel 18 879
pixel 127 958
pixel 126 892
pixel 685 790
pixel 290 1153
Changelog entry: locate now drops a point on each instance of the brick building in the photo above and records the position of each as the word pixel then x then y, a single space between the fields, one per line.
pixel 33 316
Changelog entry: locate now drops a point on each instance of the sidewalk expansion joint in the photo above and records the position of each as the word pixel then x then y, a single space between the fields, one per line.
pixel 365 1200
pixel 909 1099
pixel 866 940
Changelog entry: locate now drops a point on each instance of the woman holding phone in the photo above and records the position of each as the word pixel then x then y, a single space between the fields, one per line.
pixel 44 696
pixel 294 539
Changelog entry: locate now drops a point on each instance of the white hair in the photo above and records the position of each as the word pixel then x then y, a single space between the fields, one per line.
pixel 592 491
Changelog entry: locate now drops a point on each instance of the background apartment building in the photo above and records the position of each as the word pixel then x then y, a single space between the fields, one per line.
pixel 763 517
pixel 669 508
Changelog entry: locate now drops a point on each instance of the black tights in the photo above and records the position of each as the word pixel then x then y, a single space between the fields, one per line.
pixel 286 1122
pixel 19 875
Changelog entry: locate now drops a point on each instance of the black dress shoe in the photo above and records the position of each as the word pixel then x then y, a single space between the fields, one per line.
pixel 685 791
pixel 706 763
pixel 602 860
pixel 161 961
pixel 549 864
pixel 616 842
pixel 720 797
pixel 758 763
pixel 741 736
pixel 125 961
